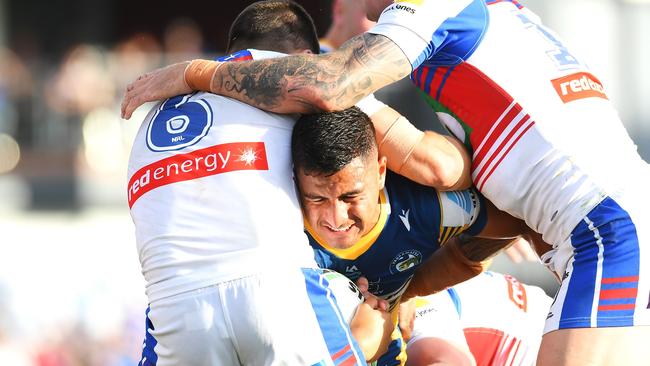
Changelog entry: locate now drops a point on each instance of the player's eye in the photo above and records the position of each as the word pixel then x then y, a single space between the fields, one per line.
pixel 315 199
pixel 350 197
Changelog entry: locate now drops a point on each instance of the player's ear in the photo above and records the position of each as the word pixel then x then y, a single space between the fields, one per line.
pixel 381 163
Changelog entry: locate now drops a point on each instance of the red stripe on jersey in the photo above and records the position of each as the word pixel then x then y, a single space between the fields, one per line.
pixel 475 98
pixel 492 136
pixel 616 307
pixel 484 344
pixel 341 352
pixel 197 164
pixel 243 58
pixel 479 102
pixel 350 361
pixel 493 154
pixel 514 353
pixel 508 348
pixel 525 121
pixel 620 279
pixel 619 293
pixel 423 77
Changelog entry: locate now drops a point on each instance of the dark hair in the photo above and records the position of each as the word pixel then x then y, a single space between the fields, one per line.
pixel 273 25
pixel 325 143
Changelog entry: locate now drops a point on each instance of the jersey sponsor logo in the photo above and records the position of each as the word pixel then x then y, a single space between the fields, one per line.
pixel 213 160
pixel 405 8
pixel 352 272
pixel 580 85
pixel 405 219
pixel 352 268
pixel 405 261
pixel 419 313
pixel 517 293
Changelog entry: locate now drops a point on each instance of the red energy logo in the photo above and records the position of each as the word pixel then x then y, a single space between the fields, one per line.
pixel 517 293
pixel 578 86
pixel 197 164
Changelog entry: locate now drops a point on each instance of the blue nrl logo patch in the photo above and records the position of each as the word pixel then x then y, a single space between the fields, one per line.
pixel 178 123
pixel 405 261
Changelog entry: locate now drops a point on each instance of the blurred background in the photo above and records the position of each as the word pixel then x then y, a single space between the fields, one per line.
pixel 71 292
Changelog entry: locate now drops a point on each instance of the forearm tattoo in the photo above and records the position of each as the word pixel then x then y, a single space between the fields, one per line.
pixel 362 65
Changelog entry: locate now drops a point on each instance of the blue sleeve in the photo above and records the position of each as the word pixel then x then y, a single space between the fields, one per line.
pixel 439 32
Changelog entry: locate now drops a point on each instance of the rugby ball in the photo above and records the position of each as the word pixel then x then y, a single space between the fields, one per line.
pixel 346 294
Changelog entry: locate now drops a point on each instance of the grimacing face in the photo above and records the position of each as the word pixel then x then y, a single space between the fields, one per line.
pixel 343 207
pixel 375 7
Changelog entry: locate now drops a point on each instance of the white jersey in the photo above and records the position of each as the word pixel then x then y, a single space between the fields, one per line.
pixel 498 318
pixel 212 195
pixel 547 144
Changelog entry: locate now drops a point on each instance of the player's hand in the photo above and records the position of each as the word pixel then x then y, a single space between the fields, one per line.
pixel 155 85
pixel 372 325
pixel 372 300
pixel 407 318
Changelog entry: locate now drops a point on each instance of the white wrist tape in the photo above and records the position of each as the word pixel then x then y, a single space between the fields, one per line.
pixel 370 105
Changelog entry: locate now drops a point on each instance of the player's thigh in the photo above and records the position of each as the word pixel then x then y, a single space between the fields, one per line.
pixel 596 346
pixel 289 318
pixel 188 329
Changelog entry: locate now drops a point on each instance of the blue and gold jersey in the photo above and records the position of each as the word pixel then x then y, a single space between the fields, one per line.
pixel 414 222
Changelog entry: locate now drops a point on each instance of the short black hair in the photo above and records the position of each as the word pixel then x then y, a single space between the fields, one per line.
pixel 273 25
pixel 324 143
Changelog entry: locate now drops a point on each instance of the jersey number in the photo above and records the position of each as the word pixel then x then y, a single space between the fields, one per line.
pixel 562 58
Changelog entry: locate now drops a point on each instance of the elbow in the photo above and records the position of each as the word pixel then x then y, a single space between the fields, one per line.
pixel 453 176
pixel 446 177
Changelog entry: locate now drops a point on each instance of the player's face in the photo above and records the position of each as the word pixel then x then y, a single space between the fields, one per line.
pixel 343 207
pixel 375 7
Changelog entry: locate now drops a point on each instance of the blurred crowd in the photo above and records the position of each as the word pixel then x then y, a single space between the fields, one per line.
pixel 63 147
pixel 67 110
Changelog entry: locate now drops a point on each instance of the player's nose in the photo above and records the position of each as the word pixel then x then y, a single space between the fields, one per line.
pixel 339 214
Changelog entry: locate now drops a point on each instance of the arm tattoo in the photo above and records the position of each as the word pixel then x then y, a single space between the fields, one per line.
pixel 303 82
pixel 480 249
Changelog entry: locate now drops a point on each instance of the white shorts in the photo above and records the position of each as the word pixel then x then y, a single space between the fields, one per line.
pixel 285 317
pixel 605 269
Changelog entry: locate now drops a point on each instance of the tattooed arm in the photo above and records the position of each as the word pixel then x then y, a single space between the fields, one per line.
pixel 294 84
